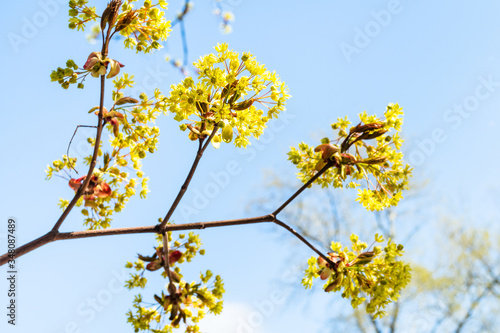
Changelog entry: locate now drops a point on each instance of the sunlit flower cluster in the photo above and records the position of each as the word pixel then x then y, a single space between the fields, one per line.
pixel 143 28
pixel 181 303
pixel 352 156
pixel 233 93
pixel 362 273
pixel 132 135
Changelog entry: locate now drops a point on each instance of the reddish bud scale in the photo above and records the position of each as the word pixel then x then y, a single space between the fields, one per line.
pixel 366 127
pixel 126 100
pixel 154 266
pixel 327 150
pixel 126 20
pixel 348 158
pixel 174 256
pixel 336 282
pixel 95 189
pixel 92 59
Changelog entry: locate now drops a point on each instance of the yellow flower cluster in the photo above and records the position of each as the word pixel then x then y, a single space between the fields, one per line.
pixel 362 273
pixel 132 135
pixel 143 28
pixel 234 95
pixel 184 303
pixel 352 158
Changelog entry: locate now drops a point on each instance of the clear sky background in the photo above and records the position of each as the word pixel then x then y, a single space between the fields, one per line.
pixel 439 60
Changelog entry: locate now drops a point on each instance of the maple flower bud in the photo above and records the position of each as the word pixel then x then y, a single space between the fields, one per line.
pixel 115 68
pixel 348 158
pixel 365 258
pixel 325 273
pixel 116 127
pixel 145 258
pixel 102 190
pixel 227 89
pixel 202 107
pixel 376 134
pixel 154 265
pixel 375 160
pixel 227 133
pixel 366 127
pixel 327 150
pixel 126 20
pixel 175 277
pixel 174 256
pixel 89 201
pixel 113 114
pixel 126 100
pixel 76 183
pixel 216 141
pixel 243 105
pixel 320 165
pixel 193 136
pixel 110 13
pixel 336 282
pixel 92 59
pixel 321 262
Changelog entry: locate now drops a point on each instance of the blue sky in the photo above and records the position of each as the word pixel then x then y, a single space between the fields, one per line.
pixel 439 60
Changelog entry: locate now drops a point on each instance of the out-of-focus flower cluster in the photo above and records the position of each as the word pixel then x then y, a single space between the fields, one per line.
pixel 181 303
pixel 374 276
pixel 234 93
pixel 353 156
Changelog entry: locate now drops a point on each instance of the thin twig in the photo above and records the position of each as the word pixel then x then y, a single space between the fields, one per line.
pixel 303 240
pixel 306 185
pixel 106 232
pixel 184 44
pixel 70 141
pixel 199 154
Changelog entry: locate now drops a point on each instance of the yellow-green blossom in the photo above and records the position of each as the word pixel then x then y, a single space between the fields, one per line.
pixel 366 156
pixel 375 276
pixel 233 92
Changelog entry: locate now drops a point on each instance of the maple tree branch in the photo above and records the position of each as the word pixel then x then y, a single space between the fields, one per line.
pixel 306 185
pixel 93 162
pixel 199 154
pixel 106 232
pixel 163 228
pixel 28 247
pixel 303 240
pixel 55 236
